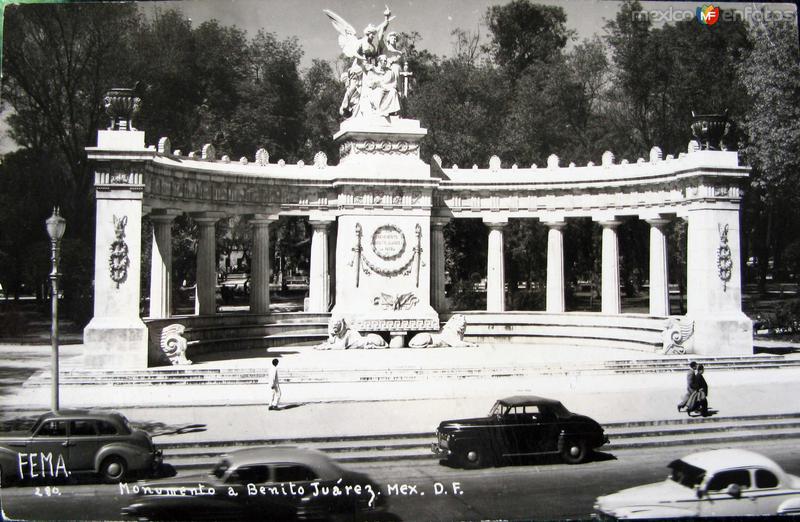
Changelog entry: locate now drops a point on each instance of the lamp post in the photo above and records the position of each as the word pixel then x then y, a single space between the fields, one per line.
pixel 55 229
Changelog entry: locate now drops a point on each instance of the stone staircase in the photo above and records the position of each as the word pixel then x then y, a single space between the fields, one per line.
pixel 416 446
pixel 200 375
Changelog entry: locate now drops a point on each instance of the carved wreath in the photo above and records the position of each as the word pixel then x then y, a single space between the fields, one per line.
pixel 724 258
pixel 388 228
pixel 118 261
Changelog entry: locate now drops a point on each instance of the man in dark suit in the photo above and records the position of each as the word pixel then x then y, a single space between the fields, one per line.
pixel 691 384
pixel 702 385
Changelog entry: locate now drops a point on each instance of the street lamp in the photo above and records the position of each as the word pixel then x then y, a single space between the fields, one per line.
pixel 55 229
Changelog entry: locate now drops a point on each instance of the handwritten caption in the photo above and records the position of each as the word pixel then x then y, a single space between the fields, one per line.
pixel 292 489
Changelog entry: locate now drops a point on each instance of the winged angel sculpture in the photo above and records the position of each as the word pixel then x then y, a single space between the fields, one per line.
pixel 372 80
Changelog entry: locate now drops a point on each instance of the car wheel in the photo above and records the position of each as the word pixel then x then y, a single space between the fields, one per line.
pixel 114 469
pixel 575 451
pixel 474 457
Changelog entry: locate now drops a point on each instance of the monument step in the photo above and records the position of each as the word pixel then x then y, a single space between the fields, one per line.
pixel 240 376
pixel 417 445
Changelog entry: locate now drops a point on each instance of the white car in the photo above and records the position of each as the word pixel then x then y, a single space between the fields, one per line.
pixel 726 482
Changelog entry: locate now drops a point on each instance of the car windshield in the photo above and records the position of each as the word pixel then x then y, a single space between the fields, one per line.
pixel 685 474
pixel 497 409
pixel 220 469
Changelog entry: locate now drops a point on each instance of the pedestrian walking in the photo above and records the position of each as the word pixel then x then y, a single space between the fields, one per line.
pixel 274 384
pixel 702 386
pixel 691 385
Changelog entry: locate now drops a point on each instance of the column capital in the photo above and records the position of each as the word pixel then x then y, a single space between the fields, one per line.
pixel 555 224
pixel 658 222
pixel 609 223
pixel 320 224
pixel 207 217
pixel 495 225
pixel 164 215
pixel 260 219
pixel 440 222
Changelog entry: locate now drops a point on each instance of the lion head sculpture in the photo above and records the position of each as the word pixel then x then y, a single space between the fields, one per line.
pixel 457 325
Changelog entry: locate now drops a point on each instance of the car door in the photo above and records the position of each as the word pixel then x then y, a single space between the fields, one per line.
pixel 83 443
pixel 719 501
pixel 48 451
pixel 298 477
pixel 767 492
pixel 507 432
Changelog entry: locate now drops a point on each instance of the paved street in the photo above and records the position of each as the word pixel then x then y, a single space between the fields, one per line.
pixel 540 490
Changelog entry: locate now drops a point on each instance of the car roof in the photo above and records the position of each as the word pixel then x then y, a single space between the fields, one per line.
pixel 80 413
pixel 716 460
pixel 314 459
pixel 527 400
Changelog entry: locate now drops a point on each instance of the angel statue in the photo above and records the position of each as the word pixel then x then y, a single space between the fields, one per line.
pixel 374 59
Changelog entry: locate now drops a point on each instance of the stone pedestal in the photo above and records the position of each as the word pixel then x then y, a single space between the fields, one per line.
pixel 714 287
pixel 116 337
pixel 383 235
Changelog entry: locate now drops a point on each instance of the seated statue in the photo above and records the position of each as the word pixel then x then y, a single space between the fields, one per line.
pixel 452 334
pixel 342 337
pixel 173 344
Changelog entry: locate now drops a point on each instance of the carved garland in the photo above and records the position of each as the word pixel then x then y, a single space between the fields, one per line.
pixel 118 261
pixel 363 263
pixel 724 258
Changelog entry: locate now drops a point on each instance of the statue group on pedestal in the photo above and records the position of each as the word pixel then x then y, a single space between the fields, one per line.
pixel 373 78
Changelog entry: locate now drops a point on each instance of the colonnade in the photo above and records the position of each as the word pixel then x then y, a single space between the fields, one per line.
pixel 319 275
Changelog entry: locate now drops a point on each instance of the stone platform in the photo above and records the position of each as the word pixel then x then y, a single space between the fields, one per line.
pixel 312 375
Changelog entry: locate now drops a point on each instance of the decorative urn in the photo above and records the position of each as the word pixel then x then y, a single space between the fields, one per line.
pixel 710 129
pixel 121 105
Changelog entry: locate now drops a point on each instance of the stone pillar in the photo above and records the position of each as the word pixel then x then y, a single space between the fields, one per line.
pixel 438 300
pixel 714 285
pixel 610 273
pixel 319 290
pixel 207 263
pixel 260 266
pixel 116 337
pixel 555 267
pixel 495 272
pixel 161 264
pixel 659 280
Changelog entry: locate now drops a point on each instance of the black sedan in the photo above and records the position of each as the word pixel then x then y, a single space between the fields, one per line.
pixel 523 425
pixel 262 483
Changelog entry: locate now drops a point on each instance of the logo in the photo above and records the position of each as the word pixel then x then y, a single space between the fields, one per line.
pixel 708 14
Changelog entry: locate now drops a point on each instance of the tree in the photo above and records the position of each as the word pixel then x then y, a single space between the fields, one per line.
pixel 58 62
pixel 771 75
pixel 322 117
pixel 524 34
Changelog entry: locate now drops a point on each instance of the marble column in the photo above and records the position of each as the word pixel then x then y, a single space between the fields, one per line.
pixel 495 273
pixel 319 290
pixel 260 266
pixel 161 264
pixel 207 264
pixel 555 267
pixel 610 273
pixel 438 300
pixel 659 281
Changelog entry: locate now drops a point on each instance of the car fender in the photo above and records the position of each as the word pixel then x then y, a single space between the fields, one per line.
pixel 790 507
pixel 131 453
pixel 651 512
pixel 9 465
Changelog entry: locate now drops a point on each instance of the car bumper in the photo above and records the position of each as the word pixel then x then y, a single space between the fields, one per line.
pixel 439 451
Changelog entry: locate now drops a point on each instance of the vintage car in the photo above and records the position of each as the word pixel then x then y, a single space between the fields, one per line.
pixel 516 427
pixel 725 482
pixel 262 483
pixel 75 441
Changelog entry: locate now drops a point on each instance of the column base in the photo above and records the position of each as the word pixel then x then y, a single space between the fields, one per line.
pixel 723 335
pixel 110 343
